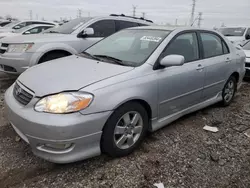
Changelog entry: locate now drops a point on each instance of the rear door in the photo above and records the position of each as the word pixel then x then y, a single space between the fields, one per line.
pixel 216 60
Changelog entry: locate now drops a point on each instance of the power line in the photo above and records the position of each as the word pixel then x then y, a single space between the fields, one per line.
pixel 199 19
pixel 192 12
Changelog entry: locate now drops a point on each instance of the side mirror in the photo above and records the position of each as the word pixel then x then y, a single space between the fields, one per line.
pixel 172 60
pixel 17 27
pixel 26 33
pixel 247 37
pixel 86 32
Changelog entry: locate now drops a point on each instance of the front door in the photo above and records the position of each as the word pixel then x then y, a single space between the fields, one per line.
pixel 180 87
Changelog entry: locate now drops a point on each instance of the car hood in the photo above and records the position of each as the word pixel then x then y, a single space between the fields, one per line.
pixel 3 30
pixel 44 37
pixel 8 34
pixel 68 74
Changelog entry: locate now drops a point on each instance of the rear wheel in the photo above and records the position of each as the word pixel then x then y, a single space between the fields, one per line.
pixel 124 130
pixel 229 91
pixel 52 56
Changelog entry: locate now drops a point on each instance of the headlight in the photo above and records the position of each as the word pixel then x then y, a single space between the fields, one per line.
pixel 18 48
pixel 64 102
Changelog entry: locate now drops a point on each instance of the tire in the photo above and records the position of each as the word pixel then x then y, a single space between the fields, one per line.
pixel 229 91
pixel 52 56
pixel 109 140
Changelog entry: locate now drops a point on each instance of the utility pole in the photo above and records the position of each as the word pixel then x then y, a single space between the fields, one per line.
pixel 134 10
pixel 79 13
pixel 199 19
pixel 36 16
pixel 143 14
pixel 88 14
pixel 31 14
pixel 176 22
pixel 192 12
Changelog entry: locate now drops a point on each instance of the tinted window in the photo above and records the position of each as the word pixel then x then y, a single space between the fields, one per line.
pixel 42 23
pixel 21 25
pixel 225 48
pixel 103 28
pixel 185 45
pixel 4 23
pixel 140 24
pixel 211 44
pixel 125 24
pixel 247 46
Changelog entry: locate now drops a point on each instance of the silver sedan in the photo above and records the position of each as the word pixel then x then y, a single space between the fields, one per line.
pixel 106 98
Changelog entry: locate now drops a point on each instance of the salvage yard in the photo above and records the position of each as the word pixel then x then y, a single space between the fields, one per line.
pixel 179 155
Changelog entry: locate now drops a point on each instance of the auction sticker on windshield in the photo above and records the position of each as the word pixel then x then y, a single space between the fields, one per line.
pixel 151 38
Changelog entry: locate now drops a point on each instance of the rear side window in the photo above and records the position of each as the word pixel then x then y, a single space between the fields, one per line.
pixel 124 24
pixel 140 24
pixel 185 45
pixel 103 28
pixel 212 45
pixel 42 23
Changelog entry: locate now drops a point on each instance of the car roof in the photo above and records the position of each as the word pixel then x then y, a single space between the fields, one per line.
pixel 127 18
pixel 44 21
pixel 167 28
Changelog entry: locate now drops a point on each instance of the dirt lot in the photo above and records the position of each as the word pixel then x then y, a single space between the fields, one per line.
pixel 179 155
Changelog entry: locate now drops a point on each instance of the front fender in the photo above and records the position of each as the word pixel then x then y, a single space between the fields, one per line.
pixel 50 47
pixel 111 97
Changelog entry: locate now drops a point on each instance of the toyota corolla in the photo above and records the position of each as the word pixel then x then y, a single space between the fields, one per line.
pixel 106 98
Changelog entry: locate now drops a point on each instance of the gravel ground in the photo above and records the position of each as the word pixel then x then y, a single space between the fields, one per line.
pixel 179 155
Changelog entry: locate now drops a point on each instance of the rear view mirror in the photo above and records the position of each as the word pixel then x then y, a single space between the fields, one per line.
pixel 247 37
pixel 86 32
pixel 172 60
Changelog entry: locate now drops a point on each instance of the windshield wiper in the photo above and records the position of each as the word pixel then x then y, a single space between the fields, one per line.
pixel 118 61
pixel 89 55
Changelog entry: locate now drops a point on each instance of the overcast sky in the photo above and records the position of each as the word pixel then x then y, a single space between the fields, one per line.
pixel 215 12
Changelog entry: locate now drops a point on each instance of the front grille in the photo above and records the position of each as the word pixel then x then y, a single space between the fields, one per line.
pixel 3 48
pixel 21 95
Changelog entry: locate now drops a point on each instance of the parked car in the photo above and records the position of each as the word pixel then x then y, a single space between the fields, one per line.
pixel 106 98
pixel 4 22
pixel 19 53
pixel 237 35
pixel 246 49
pixel 20 24
pixel 32 29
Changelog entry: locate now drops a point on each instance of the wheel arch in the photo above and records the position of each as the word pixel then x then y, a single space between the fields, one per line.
pixel 143 103
pixel 236 75
pixel 67 53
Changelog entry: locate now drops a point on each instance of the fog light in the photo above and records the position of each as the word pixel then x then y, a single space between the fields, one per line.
pixel 58 146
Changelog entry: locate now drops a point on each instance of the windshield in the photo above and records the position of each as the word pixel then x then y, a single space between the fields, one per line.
pixel 131 47
pixel 69 27
pixel 247 46
pixel 235 32
pixel 12 24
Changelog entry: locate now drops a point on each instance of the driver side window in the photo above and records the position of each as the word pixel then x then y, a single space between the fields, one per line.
pixel 103 28
pixel 185 45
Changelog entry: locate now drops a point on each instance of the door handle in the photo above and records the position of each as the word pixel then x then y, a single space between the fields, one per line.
pixel 200 67
pixel 228 60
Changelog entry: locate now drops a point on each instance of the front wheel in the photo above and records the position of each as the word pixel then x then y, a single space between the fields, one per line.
pixel 124 130
pixel 229 91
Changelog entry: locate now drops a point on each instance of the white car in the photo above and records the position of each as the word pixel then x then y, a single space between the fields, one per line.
pixel 246 49
pixel 20 24
pixel 32 29
pixel 237 35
